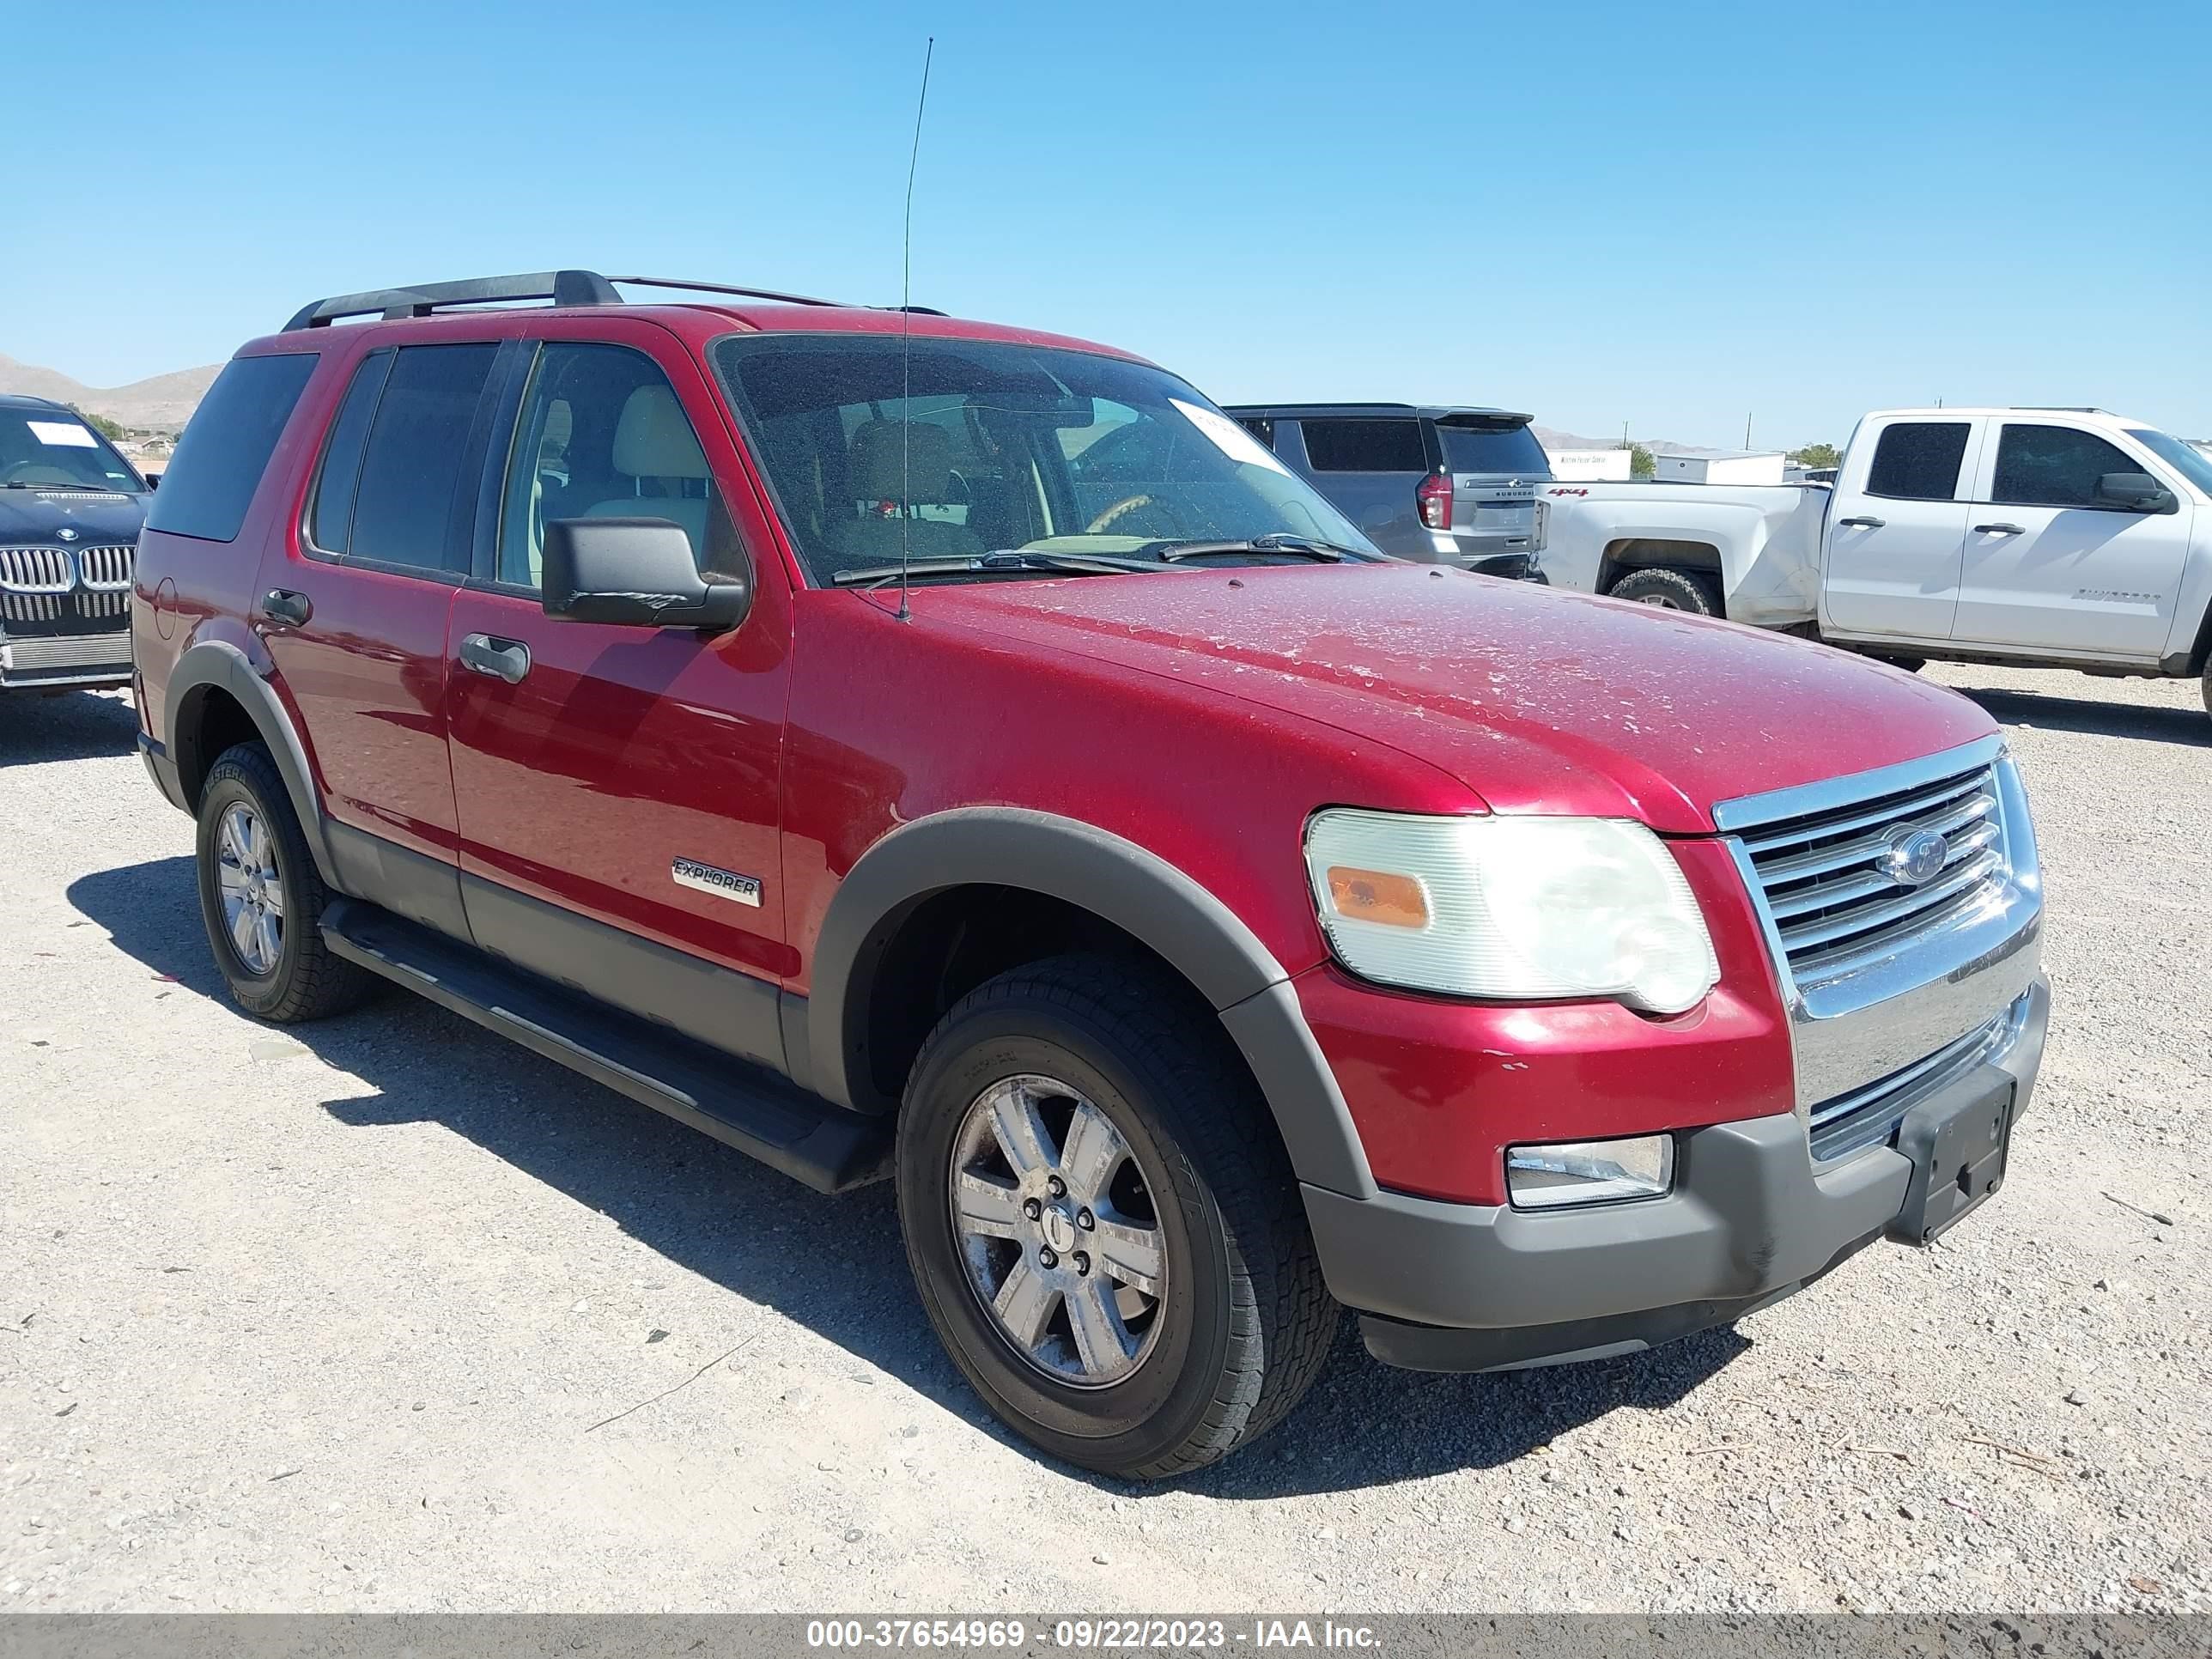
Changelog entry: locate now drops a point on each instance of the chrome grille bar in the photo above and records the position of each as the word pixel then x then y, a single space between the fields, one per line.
pixel 35 570
pixel 106 569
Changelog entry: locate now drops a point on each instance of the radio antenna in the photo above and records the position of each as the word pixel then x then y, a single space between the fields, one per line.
pixel 906 340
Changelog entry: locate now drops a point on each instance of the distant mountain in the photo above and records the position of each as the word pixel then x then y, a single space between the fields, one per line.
pixel 1554 441
pixel 162 404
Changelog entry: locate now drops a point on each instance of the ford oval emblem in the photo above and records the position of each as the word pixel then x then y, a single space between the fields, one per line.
pixel 1915 856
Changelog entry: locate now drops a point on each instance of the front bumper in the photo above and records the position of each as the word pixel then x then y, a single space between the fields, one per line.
pixel 55 662
pixel 1444 1286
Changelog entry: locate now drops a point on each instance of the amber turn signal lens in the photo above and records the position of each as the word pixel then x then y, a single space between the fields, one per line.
pixel 1377 897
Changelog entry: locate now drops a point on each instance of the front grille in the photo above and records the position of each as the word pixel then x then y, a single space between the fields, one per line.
pixel 1835 907
pixel 52 653
pixel 35 570
pixel 49 585
pixel 1869 1116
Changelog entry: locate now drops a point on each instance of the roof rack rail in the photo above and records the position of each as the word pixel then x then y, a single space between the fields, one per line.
pixel 690 287
pixel 562 288
pixel 2060 409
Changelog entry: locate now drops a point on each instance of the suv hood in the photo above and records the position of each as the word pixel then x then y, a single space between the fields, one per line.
pixel 1536 700
pixel 35 517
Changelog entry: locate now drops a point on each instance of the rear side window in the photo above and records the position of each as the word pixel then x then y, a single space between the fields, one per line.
pixel 330 517
pixel 225 448
pixel 1918 461
pixel 403 509
pixel 1366 446
pixel 2054 466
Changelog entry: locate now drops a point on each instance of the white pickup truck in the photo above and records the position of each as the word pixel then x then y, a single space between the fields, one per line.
pixel 2041 538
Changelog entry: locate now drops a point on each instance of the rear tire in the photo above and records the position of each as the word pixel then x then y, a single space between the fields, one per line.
pixel 1237 1323
pixel 1669 589
pixel 262 898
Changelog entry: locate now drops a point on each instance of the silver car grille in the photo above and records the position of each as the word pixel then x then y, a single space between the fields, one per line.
pixel 47 653
pixel 49 584
pixel 1828 888
pixel 1869 1116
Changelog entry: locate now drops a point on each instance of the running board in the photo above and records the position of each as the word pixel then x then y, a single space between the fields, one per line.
pixel 736 1102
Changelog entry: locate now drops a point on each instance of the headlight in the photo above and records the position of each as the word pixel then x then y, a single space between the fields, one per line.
pixel 1518 908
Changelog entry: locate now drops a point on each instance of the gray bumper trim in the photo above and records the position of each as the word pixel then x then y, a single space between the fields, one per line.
pixel 1750 1215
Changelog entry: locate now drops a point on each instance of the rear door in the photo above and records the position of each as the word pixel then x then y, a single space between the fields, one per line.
pixel 2050 564
pixel 1897 527
pixel 1496 467
pixel 354 612
pixel 1369 469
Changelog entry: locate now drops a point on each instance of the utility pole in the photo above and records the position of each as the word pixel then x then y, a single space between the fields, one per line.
pixel 1747 429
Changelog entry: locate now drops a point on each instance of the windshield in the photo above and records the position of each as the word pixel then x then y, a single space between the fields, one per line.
pixel 994 446
pixel 1491 449
pixel 2187 459
pixel 53 447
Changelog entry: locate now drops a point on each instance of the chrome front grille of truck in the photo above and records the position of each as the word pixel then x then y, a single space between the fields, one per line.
pixel 1833 882
pixel 1902 909
pixel 1869 1116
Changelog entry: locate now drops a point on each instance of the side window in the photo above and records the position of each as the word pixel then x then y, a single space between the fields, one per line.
pixel 227 445
pixel 602 436
pixel 2054 466
pixel 403 510
pixel 1918 461
pixel 330 514
pixel 1366 447
pixel 1261 427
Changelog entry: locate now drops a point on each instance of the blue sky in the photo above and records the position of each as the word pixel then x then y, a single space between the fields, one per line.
pixel 1662 214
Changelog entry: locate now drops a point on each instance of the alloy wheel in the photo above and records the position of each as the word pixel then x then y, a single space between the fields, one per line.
pixel 1055 1223
pixel 252 888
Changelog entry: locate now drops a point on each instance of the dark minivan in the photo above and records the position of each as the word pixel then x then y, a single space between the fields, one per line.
pixel 1437 485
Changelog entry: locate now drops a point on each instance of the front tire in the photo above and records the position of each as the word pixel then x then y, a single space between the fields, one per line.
pixel 262 898
pixel 1103 1226
pixel 1693 590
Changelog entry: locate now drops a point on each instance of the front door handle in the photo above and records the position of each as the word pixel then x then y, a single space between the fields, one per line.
pixel 502 660
pixel 281 604
pixel 1862 523
pixel 2000 530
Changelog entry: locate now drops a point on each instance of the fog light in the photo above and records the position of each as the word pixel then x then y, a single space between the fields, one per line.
pixel 1589 1171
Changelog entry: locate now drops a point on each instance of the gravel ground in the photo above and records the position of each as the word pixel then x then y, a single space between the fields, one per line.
pixel 383 1313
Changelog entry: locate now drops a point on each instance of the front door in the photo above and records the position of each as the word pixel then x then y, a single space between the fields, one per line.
pixel 1897 523
pixel 2050 563
pixel 617 787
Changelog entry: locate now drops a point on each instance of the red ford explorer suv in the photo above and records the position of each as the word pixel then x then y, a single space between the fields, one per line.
pixel 911 748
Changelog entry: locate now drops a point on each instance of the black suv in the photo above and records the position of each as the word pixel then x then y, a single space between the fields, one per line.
pixel 70 508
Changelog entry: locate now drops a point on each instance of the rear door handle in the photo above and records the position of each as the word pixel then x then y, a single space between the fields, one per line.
pixel 281 604
pixel 489 654
pixel 1862 523
pixel 2000 530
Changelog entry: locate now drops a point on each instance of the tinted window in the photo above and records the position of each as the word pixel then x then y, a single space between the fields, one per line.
pixel 1260 427
pixel 1511 449
pixel 602 436
pixel 329 518
pixel 225 448
pixel 1366 446
pixel 2192 461
pixel 1918 460
pixel 403 511
pixel 2054 466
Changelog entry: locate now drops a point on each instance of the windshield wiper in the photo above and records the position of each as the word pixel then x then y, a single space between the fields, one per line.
pixel 1280 542
pixel 1002 561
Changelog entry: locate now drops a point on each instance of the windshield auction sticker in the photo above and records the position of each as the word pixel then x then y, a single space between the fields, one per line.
pixel 62 434
pixel 1230 438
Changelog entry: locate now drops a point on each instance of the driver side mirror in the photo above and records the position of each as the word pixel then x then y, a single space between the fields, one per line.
pixel 637 573
pixel 153 480
pixel 2137 492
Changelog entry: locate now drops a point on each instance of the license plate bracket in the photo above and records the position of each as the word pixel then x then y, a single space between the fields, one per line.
pixel 1958 1142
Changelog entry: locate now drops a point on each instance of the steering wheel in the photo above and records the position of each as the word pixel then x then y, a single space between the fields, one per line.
pixel 1129 504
